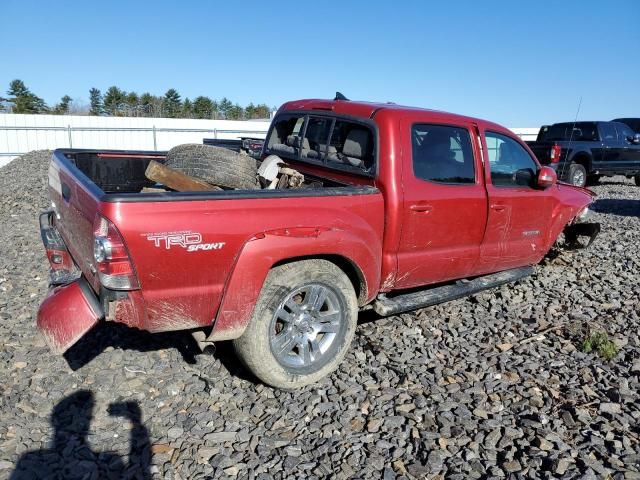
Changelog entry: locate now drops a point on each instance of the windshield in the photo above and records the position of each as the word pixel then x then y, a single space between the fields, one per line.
pixel 580 131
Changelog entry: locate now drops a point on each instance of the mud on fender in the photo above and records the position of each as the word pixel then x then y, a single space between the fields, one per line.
pixel 67 314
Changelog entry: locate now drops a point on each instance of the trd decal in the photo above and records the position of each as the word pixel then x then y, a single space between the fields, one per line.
pixel 191 241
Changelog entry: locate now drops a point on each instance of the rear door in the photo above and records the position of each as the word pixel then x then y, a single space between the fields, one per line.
pixel 445 205
pixel 519 214
pixel 612 148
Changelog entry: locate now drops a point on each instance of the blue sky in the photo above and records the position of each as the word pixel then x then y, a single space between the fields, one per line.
pixel 517 63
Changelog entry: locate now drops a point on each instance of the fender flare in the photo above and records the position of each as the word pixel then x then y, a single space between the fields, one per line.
pixel 579 155
pixel 265 250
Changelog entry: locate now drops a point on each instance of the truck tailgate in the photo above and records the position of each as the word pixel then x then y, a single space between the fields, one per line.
pixel 75 209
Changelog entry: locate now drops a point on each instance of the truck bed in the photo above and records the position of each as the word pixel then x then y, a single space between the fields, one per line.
pixel 114 175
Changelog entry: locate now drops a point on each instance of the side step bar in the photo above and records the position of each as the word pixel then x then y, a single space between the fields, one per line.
pixel 385 306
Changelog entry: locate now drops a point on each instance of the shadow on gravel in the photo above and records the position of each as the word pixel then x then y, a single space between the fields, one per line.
pixel 120 336
pixel 225 353
pixel 70 455
pixel 624 207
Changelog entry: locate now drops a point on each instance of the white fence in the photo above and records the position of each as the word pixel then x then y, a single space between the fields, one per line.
pixel 20 134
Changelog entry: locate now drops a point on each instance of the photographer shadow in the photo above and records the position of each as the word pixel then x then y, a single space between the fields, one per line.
pixel 71 457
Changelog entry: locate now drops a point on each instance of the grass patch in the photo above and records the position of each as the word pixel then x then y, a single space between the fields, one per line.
pixel 599 342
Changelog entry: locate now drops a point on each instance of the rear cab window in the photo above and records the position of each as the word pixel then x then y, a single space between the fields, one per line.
pixel 578 132
pixel 333 141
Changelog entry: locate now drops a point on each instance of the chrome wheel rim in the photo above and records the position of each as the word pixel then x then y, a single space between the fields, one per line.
pixel 578 178
pixel 305 326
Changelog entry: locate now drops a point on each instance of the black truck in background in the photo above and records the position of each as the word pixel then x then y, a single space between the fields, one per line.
pixel 582 152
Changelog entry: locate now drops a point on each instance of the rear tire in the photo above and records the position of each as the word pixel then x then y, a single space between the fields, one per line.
pixel 577 175
pixel 215 165
pixel 302 325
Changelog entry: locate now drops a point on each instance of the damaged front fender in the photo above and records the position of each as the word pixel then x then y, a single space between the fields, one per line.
pixel 581 227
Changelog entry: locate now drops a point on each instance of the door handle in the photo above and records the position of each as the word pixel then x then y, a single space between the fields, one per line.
pixel 497 207
pixel 421 207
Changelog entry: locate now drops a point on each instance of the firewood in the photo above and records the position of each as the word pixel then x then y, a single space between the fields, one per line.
pixel 176 180
pixel 153 190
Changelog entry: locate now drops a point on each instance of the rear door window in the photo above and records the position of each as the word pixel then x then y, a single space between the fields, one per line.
pixel 608 132
pixel 442 154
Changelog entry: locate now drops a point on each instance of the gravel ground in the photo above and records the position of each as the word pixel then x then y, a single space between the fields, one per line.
pixel 491 386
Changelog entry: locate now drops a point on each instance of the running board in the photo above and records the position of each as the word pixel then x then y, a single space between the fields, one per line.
pixel 425 298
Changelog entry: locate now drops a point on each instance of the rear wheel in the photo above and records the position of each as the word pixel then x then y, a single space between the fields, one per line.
pixel 577 175
pixel 302 326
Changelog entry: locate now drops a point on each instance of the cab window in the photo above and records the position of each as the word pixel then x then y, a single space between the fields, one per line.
pixel 510 164
pixel 286 136
pixel 442 154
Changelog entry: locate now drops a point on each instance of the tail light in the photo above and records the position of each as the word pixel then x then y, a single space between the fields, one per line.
pixel 113 264
pixel 556 151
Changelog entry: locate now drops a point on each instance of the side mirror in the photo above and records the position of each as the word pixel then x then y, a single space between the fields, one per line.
pixel 524 177
pixel 547 177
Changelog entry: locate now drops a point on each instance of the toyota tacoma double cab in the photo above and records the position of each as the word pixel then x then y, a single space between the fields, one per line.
pixel 582 152
pixel 401 208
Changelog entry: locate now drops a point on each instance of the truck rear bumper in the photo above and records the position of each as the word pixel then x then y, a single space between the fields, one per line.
pixel 68 313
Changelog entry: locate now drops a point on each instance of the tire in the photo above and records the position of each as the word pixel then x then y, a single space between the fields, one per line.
pixel 577 175
pixel 637 179
pixel 268 332
pixel 216 165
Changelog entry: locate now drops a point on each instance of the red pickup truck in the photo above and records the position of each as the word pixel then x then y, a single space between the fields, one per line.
pixel 401 208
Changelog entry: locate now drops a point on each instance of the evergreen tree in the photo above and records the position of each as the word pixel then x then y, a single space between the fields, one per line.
pixel 224 107
pixel 250 111
pixel 171 104
pixel 24 101
pixel 262 111
pixel 146 104
pixel 95 99
pixel 17 88
pixel 203 107
pixel 132 99
pixel 114 100
pixel 187 109
pixel 62 108
pixel 235 112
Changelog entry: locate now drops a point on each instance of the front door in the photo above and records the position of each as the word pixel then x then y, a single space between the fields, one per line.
pixel 519 213
pixel 629 151
pixel 445 204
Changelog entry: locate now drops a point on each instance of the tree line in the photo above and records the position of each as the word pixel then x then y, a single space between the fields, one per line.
pixel 117 102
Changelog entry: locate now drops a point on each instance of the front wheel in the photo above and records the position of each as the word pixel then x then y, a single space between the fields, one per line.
pixel 577 175
pixel 302 326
